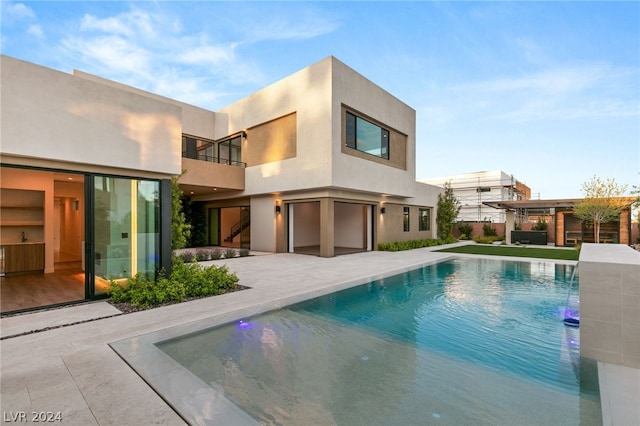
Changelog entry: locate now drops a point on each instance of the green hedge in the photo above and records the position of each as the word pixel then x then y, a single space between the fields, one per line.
pixel 412 244
pixel 187 280
pixel 490 239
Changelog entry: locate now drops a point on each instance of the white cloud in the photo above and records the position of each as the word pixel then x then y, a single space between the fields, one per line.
pixel 36 31
pixel 113 25
pixel 17 11
pixel 209 54
pixel 111 53
pixel 292 23
pixel 553 80
pixel 189 61
pixel 593 91
pixel 133 23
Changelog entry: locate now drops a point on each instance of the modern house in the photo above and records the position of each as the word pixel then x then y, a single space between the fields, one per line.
pixel 321 162
pixel 473 190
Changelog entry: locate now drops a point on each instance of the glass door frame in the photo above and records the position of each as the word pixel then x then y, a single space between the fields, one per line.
pixel 163 222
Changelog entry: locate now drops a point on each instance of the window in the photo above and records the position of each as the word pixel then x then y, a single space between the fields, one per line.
pixel 230 151
pixel 405 218
pixel 366 136
pixel 198 148
pixel 424 216
pixel 189 147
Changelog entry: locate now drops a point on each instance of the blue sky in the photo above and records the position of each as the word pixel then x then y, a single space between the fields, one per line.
pixel 546 91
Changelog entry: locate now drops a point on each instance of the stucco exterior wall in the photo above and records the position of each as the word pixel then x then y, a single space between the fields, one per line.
pixel 263 223
pixel 195 121
pixel 273 141
pixel 316 95
pixel 360 94
pixel 306 93
pixel 86 122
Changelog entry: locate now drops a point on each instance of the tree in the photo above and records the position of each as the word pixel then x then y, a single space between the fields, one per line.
pixel 180 229
pixel 448 209
pixel 603 202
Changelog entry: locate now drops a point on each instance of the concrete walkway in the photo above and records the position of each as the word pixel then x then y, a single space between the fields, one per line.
pixel 71 370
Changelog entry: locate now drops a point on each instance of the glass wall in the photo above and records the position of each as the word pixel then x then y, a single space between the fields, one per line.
pixel 126 229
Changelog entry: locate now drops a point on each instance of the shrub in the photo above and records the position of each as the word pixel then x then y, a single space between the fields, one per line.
pixel 229 253
pixel 187 256
pixel 215 255
pixel 412 244
pixel 187 280
pixel 489 230
pixel 466 229
pixel 244 252
pixel 486 239
pixel 203 254
pixel 540 225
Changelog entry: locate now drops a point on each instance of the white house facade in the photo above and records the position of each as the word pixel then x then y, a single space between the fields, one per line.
pixel 321 162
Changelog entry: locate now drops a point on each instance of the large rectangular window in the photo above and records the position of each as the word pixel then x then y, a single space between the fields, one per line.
pixel 405 219
pixel 366 136
pixel 424 216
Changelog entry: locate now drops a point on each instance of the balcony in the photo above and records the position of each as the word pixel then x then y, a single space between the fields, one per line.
pixel 211 175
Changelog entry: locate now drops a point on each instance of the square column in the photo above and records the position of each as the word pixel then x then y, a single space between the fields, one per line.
pixel 327 227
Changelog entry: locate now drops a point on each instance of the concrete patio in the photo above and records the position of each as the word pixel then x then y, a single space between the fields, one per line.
pixel 68 367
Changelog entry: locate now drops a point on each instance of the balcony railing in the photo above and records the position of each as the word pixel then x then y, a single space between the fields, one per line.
pixel 211 159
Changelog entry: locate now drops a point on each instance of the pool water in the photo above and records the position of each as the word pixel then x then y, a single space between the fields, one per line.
pixel 467 341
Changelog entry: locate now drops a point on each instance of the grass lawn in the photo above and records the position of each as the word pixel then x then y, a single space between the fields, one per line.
pixel 542 253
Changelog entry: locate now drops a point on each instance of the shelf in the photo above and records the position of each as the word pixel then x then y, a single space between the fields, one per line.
pixel 22 223
pixel 21 207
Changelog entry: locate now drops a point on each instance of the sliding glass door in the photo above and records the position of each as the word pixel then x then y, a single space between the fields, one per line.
pixel 126 230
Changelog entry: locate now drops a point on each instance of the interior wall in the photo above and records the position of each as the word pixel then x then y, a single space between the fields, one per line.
pixel 349 225
pixel 306 224
pixel 36 181
pixel 71 231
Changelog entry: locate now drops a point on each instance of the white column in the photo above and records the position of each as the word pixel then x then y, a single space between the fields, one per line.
pixel 509 225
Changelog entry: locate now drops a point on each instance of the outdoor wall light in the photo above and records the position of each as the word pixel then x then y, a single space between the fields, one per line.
pixel 277 209
pixel 383 210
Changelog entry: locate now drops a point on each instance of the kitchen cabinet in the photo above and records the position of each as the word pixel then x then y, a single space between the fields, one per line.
pixel 23 257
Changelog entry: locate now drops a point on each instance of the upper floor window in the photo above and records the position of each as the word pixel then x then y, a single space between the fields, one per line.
pixel 224 151
pixel 197 148
pixel 367 137
pixel 230 151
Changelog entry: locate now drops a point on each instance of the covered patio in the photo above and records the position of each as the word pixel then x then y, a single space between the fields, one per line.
pixel 564 229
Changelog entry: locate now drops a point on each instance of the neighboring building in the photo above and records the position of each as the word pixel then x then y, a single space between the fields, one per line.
pixel 321 162
pixel 474 189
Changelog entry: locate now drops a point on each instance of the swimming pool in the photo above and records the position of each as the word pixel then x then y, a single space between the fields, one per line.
pixel 467 341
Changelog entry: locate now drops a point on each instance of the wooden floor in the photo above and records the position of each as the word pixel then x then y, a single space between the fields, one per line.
pixel 66 284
